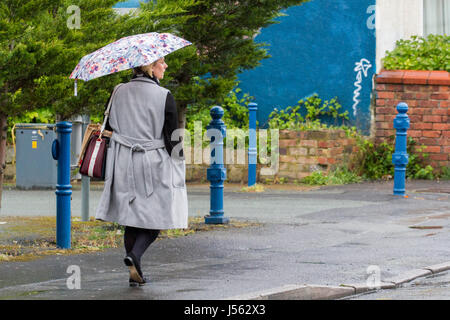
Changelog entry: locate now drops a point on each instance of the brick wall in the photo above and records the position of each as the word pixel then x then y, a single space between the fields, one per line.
pixel 301 153
pixel 427 94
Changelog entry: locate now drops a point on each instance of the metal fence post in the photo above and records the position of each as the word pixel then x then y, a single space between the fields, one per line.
pixel 400 158
pixel 61 152
pixel 85 180
pixel 252 149
pixel 216 173
pixel 75 144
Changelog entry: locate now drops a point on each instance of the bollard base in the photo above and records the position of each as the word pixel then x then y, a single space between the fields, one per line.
pixel 216 220
pixel 399 193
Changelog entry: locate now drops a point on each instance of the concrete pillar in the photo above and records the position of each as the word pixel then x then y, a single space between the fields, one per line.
pixel 395 20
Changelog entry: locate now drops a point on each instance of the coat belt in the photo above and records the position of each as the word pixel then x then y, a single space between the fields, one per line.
pixel 138 145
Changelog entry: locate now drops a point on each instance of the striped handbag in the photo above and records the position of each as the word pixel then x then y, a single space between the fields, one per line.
pixel 93 163
pixel 94 160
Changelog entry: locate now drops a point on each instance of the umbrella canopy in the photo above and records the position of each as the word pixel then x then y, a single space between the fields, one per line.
pixel 126 53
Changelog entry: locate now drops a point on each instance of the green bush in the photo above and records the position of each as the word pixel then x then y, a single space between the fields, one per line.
pixel 445 175
pixel 419 53
pixel 235 114
pixel 37 116
pixel 316 178
pixel 308 115
pixel 425 173
pixel 375 161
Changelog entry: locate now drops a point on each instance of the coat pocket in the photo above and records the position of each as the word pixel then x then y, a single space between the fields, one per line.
pixel 178 173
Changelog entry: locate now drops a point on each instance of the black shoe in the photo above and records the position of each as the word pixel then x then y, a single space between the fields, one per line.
pixel 135 269
pixel 134 283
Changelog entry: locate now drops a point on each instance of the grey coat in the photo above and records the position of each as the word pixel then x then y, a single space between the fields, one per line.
pixel 144 186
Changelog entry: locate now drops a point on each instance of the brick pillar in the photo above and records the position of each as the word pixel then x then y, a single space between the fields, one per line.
pixel 427 94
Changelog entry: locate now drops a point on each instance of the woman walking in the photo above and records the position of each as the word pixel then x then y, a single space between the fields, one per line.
pixel 145 188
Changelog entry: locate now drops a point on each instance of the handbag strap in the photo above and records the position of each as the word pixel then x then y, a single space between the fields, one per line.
pixel 107 110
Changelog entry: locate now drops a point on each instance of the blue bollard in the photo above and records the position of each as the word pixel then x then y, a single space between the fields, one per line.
pixel 400 158
pixel 252 149
pixel 216 173
pixel 61 152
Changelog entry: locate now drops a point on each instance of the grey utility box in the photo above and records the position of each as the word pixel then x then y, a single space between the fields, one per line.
pixel 35 166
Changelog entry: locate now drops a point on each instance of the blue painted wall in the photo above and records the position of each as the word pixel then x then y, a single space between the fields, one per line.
pixel 315 49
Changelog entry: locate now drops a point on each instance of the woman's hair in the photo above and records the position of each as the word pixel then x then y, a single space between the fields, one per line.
pixel 146 70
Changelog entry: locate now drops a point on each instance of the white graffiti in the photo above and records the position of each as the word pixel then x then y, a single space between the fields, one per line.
pixel 361 67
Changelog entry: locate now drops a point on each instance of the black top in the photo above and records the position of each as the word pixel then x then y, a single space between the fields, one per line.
pixel 170 119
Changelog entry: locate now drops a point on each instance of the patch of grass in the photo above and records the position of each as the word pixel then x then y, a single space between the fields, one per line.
pixel 255 188
pixel 336 177
pixel 22 295
pixel 27 238
pixel 316 178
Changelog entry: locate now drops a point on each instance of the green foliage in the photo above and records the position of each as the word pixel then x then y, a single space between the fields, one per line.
pixel 424 173
pixel 445 175
pixel 39 51
pixel 37 116
pixel 235 113
pixel 375 161
pixel 336 177
pixel 316 178
pixel 236 110
pixel 419 53
pixel 416 168
pixel 44 115
pixel 307 115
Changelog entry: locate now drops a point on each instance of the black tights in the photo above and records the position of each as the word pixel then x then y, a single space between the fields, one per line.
pixel 137 240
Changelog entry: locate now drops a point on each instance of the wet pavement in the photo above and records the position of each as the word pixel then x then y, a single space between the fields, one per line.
pixel 325 236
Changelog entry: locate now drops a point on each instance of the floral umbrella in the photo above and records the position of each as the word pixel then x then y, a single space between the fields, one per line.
pixel 126 53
